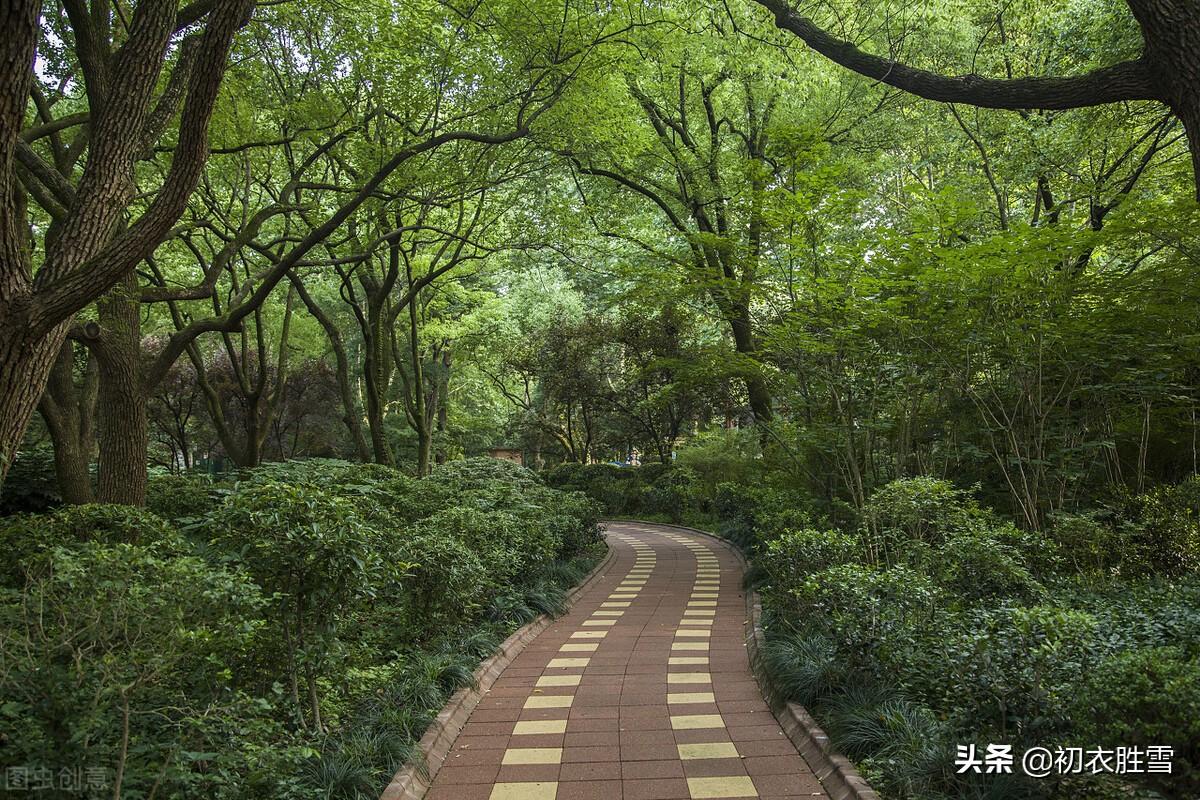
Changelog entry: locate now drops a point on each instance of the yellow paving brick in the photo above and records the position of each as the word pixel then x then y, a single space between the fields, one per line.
pixel 688 752
pixel 691 722
pixel 559 680
pixel 689 677
pixel 689 645
pixel 571 647
pixel 732 786
pixel 589 634
pixel 525 790
pixel 609 604
pixel 532 755
pixel 567 663
pixel 540 726
pixel 599 622
pixel 608 612
pixel 695 633
pixel 549 701
pixel 683 698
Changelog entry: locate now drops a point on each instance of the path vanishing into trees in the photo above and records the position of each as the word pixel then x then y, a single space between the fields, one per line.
pixel 643 691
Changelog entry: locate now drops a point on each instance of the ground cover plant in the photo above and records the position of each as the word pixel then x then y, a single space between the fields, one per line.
pixel 289 632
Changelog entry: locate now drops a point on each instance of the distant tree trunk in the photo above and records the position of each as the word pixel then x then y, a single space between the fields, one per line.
pixel 443 407
pixel 352 415
pixel 68 409
pixel 376 378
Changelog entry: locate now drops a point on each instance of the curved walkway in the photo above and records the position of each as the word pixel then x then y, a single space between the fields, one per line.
pixel 642 692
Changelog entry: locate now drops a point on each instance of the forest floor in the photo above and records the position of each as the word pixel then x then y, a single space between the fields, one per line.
pixel 643 691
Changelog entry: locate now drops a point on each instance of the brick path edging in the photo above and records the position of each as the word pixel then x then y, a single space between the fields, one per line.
pixel 412 780
pixel 839 777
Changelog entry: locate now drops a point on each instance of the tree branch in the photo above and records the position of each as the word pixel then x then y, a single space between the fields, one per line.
pixel 1128 80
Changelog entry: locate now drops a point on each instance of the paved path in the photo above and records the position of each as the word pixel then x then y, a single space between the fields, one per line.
pixel 642 692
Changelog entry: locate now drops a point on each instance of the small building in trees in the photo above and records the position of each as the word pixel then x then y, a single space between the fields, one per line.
pixel 508 454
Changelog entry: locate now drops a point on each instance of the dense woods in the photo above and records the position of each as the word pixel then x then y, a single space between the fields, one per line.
pixel 902 298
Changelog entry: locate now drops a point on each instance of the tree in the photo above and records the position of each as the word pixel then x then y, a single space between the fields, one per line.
pixel 1167 70
pixel 87 246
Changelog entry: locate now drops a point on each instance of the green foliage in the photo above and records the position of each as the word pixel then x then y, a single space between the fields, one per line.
pixel 618 490
pixel 479 473
pixel 1165 527
pixel 805 666
pixel 1143 698
pixel 790 558
pixel 728 456
pixel 673 494
pixel 180 497
pixel 328 612
pixel 28 537
pixel 449 581
pixel 101 635
pixel 923 510
pixel 936 622
pixel 748 514
pixel 979 564
pixel 31 484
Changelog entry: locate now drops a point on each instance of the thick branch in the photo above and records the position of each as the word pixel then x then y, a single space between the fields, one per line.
pixel 1128 80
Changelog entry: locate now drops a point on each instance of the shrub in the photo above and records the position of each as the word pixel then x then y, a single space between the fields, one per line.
pixel 978 564
pixel 791 557
pixel 714 458
pixel 617 489
pixel 478 473
pixel 859 606
pixel 921 509
pixel 448 585
pixel 310 549
pixel 575 523
pixel 177 497
pixel 675 493
pixel 1009 670
pixel 26 537
pixel 1163 527
pixel 1142 698
pixel 104 635
pixel 749 514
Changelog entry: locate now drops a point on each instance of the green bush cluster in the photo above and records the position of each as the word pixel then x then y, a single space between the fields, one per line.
pixel 289 634
pixel 933 622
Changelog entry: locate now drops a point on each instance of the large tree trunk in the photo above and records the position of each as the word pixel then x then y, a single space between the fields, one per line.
pixel 27 362
pixel 1171 31
pixel 123 423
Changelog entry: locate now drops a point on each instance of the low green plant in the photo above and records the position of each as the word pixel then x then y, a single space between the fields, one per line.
pixel 1143 698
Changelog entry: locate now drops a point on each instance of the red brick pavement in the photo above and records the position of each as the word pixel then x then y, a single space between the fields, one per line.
pixel 642 692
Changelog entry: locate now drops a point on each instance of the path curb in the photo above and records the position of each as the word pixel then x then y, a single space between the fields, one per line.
pixel 413 780
pixel 839 777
